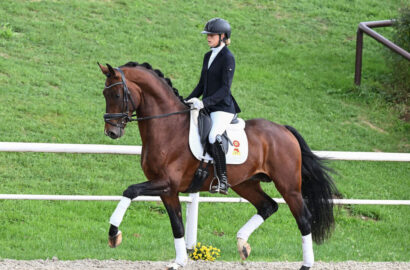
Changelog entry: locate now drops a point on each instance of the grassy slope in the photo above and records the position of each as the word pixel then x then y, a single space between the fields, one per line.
pixel 294 66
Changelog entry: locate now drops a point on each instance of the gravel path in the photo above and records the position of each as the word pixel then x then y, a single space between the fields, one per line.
pixel 56 264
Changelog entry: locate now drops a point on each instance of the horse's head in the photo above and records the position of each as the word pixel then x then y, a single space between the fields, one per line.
pixel 122 99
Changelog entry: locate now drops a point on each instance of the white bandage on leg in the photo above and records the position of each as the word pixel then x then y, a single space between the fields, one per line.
pixel 250 227
pixel 119 212
pixel 181 257
pixel 307 246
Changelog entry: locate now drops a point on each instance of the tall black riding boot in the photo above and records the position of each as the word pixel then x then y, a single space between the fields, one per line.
pixel 220 169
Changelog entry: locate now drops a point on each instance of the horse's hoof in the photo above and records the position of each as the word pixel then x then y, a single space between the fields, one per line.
pixel 114 241
pixel 173 266
pixel 304 268
pixel 244 249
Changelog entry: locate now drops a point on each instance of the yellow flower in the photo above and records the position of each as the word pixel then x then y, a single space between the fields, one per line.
pixel 202 252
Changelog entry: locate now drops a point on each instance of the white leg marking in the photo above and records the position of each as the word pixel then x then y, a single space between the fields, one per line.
pixel 180 250
pixel 250 227
pixel 307 246
pixel 119 212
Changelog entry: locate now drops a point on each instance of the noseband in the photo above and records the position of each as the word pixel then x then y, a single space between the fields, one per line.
pixel 125 118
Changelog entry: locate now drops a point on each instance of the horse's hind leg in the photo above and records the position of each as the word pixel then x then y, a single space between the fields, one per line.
pixel 303 219
pixel 288 183
pixel 252 191
pixel 133 191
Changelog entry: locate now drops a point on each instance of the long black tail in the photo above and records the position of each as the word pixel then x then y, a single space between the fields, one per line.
pixel 318 190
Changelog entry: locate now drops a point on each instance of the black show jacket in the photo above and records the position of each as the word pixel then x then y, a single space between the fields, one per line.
pixel 215 83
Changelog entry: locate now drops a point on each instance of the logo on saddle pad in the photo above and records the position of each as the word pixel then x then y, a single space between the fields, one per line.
pixel 237 150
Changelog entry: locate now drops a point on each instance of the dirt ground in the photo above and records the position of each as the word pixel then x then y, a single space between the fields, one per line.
pixel 55 264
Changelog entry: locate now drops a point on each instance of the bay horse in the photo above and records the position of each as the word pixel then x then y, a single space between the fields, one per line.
pixel 277 154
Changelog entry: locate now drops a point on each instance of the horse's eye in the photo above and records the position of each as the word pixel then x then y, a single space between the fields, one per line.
pixel 117 95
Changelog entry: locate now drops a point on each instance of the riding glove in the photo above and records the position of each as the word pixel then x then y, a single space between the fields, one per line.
pixel 197 104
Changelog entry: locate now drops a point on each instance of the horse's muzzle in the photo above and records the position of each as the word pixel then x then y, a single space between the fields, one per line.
pixel 114 133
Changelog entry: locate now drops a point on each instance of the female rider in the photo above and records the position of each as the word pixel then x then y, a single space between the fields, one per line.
pixel 215 87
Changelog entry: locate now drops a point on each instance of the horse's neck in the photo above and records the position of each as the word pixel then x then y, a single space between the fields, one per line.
pixel 165 133
pixel 162 132
pixel 159 102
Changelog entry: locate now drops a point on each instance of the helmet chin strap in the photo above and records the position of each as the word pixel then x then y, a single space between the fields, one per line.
pixel 219 42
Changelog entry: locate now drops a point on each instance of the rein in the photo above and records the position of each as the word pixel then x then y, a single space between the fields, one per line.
pixel 125 118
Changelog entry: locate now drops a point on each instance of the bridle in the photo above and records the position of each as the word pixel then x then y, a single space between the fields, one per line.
pixel 125 118
pixel 124 115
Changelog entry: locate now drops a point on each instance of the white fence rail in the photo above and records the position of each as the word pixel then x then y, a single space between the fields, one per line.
pixel 70 148
pixel 193 199
pixel 136 150
pixel 185 199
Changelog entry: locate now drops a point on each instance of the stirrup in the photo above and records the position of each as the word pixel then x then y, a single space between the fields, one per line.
pixel 216 188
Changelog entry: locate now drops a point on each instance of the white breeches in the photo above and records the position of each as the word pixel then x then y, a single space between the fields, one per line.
pixel 220 122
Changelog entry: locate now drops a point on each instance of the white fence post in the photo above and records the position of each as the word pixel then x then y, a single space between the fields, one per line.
pixel 192 221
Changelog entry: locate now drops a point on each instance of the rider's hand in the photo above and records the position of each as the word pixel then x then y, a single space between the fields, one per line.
pixel 197 104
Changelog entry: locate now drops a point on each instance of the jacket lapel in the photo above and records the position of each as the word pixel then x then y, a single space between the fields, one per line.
pixel 218 56
pixel 208 56
pixel 205 71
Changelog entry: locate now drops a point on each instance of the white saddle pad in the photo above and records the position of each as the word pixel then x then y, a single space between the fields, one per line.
pixel 237 153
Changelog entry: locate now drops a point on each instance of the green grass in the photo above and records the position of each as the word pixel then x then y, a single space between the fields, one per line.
pixel 295 65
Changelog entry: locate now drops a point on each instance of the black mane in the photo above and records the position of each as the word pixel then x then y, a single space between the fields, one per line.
pixel 159 73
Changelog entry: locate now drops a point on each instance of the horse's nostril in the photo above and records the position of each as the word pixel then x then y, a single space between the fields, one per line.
pixel 111 134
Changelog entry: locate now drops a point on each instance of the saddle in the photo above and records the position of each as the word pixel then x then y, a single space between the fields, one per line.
pixel 234 141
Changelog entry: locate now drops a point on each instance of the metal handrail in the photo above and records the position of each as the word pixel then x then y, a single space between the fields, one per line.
pixel 365 27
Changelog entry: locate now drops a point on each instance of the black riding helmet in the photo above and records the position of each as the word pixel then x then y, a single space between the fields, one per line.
pixel 217 26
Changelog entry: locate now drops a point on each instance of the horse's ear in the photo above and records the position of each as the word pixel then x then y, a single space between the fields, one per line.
pixel 104 70
pixel 112 72
pixel 107 71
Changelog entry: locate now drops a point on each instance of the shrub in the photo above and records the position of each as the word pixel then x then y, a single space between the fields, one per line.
pixel 400 79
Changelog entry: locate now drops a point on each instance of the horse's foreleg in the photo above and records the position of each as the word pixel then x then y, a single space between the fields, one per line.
pixel 133 191
pixel 173 207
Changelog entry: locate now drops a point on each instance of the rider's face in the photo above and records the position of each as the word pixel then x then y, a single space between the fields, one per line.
pixel 213 39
